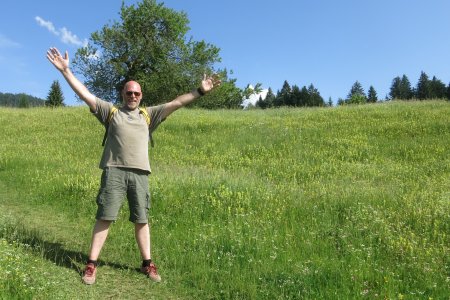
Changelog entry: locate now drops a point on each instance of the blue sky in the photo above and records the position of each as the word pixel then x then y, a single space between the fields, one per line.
pixel 330 44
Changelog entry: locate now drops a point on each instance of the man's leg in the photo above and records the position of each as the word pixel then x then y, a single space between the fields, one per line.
pixel 142 233
pixel 99 235
pixel 139 203
pixel 109 199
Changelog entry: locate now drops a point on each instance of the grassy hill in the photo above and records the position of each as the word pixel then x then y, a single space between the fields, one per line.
pixel 336 203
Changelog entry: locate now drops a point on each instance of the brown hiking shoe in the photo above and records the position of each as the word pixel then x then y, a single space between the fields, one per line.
pixel 151 272
pixel 89 274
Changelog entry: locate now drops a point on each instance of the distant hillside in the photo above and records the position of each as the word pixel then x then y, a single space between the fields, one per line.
pixel 20 100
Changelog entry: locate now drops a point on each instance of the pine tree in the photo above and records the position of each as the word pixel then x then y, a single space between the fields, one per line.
pixel 372 95
pixel 55 96
pixel 260 103
pixel 405 90
pixel 356 89
pixel 284 95
pixel 270 98
pixel 423 87
pixel 356 94
pixel 314 97
pixel 448 91
pixel 395 88
pixel 438 89
pixel 296 96
pixel 304 96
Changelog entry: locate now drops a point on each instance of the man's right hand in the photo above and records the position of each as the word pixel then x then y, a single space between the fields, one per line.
pixel 61 63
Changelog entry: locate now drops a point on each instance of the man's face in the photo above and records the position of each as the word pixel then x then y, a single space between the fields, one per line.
pixel 131 95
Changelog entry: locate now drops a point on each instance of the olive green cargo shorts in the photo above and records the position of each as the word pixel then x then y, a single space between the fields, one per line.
pixel 115 184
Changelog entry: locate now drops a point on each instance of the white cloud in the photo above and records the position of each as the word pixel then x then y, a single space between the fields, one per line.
pixel 70 38
pixel 65 35
pixel 255 97
pixel 46 24
pixel 7 43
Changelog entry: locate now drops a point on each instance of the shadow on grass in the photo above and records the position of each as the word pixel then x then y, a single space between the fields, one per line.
pixel 52 251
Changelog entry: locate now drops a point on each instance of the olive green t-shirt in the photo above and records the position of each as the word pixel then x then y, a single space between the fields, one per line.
pixel 128 135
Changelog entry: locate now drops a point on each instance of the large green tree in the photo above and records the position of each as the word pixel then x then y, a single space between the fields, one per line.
pixel 55 95
pixel 227 95
pixel 148 44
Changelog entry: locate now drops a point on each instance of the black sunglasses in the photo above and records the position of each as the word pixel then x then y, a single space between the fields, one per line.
pixel 130 93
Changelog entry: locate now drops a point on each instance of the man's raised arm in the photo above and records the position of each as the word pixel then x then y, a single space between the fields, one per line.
pixel 62 64
pixel 208 83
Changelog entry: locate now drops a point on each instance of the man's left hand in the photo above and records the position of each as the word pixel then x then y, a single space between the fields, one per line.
pixel 210 82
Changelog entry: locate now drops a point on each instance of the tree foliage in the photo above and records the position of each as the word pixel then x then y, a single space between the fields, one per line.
pixel 356 90
pixel 20 100
pixel 267 102
pixel 315 99
pixel 270 98
pixel 423 87
pixel 357 99
pixel 149 45
pixel 372 95
pixel 330 102
pixel 55 95
pixel 296 97
pixel 401 88
pixel 283 95
pixel 448 91
pixel 227 95
pixel 437 89
pixel 356 95
pixel 23 102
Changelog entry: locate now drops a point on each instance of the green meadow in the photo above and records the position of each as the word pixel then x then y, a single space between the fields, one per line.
pixel 351 202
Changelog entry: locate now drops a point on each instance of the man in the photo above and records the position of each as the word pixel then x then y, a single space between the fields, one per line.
pixel 125 161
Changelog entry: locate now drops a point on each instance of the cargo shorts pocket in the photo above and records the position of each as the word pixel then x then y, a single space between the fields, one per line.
pixel 111 194
pixel 101 196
